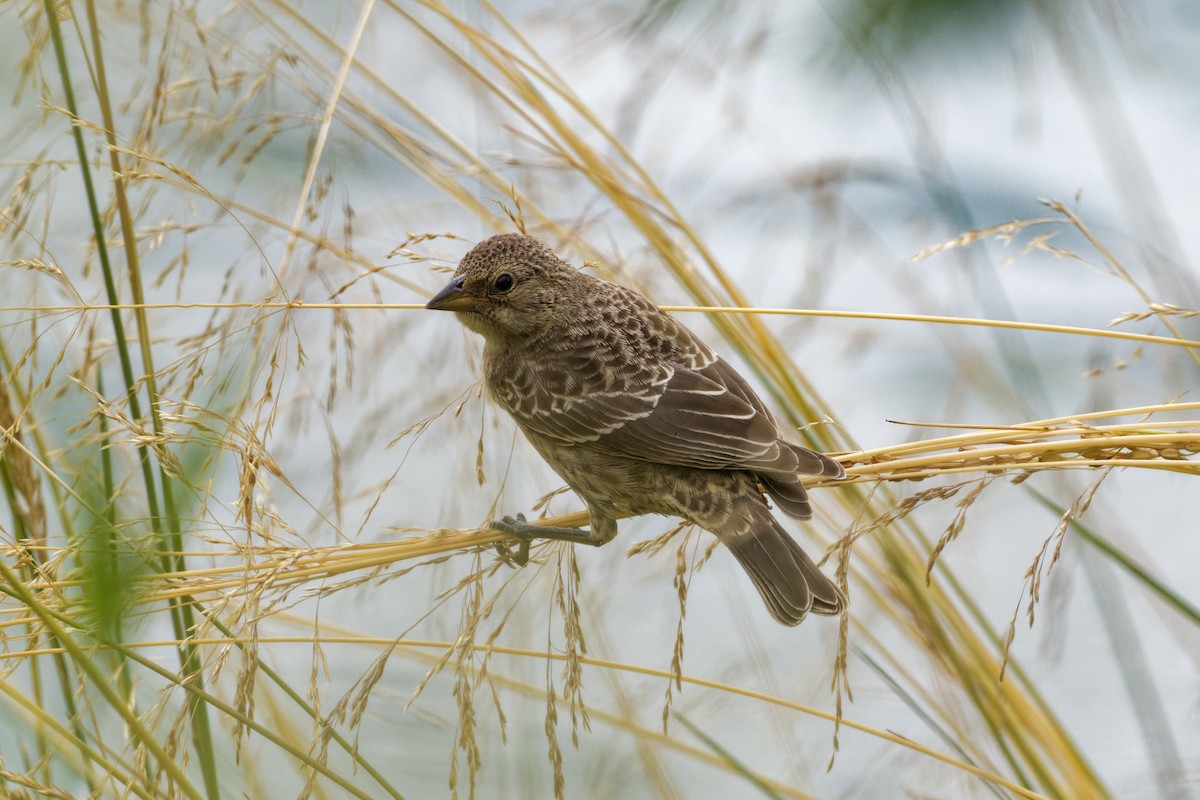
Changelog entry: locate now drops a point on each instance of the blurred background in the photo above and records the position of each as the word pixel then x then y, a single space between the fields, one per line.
pixel 196 472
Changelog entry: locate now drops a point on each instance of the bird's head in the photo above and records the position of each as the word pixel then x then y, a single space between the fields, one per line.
pixel 508 287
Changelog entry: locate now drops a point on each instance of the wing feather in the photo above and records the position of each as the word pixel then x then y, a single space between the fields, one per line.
pixel 681 416
pixel 645 387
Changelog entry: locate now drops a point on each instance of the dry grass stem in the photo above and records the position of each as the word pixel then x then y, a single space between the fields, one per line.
pixel 223 410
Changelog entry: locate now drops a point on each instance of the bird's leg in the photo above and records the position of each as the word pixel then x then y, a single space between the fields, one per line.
pixel 603 529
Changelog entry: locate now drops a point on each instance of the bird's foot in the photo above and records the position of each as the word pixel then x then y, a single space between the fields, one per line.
pixel 519 527
pixel 526 531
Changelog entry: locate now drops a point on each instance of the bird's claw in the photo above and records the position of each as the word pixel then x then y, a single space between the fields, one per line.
pixel 516 526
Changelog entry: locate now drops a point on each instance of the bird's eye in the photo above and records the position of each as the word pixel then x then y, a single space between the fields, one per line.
pixel 503 282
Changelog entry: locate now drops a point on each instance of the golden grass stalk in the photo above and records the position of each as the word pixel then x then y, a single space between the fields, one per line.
pixel 260 563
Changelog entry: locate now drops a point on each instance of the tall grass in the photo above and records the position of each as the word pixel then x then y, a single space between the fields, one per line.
pixel 247 481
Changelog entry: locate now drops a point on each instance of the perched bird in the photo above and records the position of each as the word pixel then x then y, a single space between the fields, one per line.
pixel 637 415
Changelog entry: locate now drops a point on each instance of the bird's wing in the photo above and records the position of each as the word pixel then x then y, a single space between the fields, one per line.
pixel 699 413
pixel 706 417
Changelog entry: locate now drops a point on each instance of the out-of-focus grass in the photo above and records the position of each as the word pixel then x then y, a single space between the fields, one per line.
pixel 157 500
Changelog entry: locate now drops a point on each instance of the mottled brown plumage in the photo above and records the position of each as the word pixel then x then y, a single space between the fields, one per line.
pixel 637 415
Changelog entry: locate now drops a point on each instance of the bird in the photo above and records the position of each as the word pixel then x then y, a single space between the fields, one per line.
pixel 637 415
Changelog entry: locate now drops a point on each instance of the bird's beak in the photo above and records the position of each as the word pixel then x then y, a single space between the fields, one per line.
pixel 453 298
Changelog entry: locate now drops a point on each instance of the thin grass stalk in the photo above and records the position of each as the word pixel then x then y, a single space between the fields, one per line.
pixel 644 213
pixel 967 650
pixel 981 450
pixel 1126 562
pixel 729 759
pixel 322 136
pixel 1149 712
pixel 24 496
pixel 27 552
pixel 1141 691
pixel 732 690
pixel 919 702
pixel 33 551
pixel 56 621
pixel 714 310
pixel 303 757
pixel 70 736
pixel 383 132
pixel 418 649
pixel 82 659
pixel 112 548
pixel 102 254
pixel 300 702
pixel 1123 640
pixel 181 613
pixel 761 349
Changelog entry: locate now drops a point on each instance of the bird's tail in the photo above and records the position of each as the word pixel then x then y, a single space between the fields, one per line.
pixel 784 485
pixel 788 580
